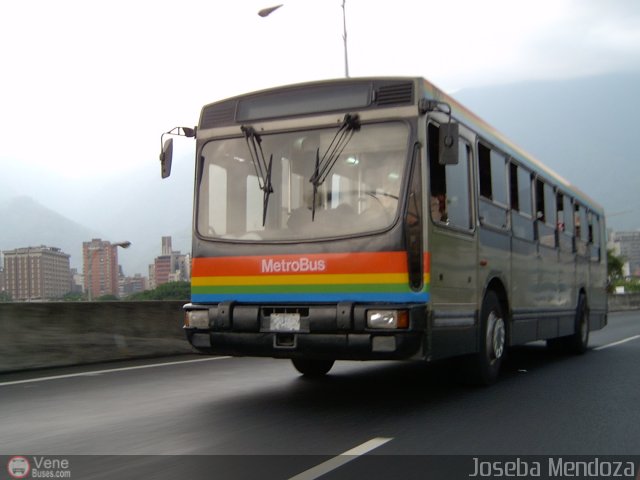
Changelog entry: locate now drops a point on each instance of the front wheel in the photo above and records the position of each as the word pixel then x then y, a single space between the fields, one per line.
pixel 312 368
pixel 493 341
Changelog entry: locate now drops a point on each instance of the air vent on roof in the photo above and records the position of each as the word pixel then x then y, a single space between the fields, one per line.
pixel 395 93
pixel 218 115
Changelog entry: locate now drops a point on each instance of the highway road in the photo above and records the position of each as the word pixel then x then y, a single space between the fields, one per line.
pixel 259 415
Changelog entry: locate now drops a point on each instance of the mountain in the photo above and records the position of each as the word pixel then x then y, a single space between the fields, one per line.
pixel 137 206
pixel 585 129
pixel 27 223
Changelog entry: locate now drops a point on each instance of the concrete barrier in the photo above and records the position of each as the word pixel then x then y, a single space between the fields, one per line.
pixel 38 335
pixel 627 301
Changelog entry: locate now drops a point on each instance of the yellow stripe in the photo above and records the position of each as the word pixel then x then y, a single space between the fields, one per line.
pixel 322 279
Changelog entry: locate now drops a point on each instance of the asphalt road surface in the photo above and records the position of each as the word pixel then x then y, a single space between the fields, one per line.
pixel 221 417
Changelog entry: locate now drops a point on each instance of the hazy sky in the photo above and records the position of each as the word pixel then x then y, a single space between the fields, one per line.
pixel 88 87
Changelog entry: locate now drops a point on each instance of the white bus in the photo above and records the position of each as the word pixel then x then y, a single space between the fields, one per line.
pixel 377 218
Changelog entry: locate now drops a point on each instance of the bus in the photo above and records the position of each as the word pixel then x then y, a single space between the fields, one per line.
pixel 379 219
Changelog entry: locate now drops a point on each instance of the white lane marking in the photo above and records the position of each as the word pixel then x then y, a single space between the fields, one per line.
pixel 343 458
pixel 620 342
pixel 100 372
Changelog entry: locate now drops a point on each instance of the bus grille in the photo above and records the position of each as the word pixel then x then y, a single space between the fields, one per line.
pixel 394 94
pixel 218 115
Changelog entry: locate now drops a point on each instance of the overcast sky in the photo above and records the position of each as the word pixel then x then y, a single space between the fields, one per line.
pixel 88 87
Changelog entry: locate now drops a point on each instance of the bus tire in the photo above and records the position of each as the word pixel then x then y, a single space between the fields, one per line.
pixel 312 368
pixel 493 341
pixel 578 343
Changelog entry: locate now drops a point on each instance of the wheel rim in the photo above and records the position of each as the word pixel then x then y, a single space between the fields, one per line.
pixel 496 336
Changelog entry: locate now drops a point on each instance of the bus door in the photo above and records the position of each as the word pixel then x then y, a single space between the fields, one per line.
pixel 453 250
pixel 567 264
pixel 548 297
pixel 493 210
pixel 524 256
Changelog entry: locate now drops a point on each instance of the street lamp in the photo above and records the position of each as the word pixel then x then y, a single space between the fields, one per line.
pixel 269 10
pixel 92 249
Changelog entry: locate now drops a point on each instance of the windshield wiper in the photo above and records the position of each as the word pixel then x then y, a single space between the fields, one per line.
pixel 349 126
pixel 263 169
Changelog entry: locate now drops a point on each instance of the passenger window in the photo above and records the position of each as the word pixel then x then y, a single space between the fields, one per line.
pixel 484 171
pixel 594 237
pixel 549 207
pixel 565 222
pixel 449 185
pixel 546 214
pixel 492 171
pixel 581 229
pixel 520 193
pixel 499 178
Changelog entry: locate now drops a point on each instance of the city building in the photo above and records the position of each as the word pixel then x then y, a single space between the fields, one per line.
pixel 3 287
pixel 37 273
pixel 131 285
pixel 100 261
pixel 170 266
pixel 627 246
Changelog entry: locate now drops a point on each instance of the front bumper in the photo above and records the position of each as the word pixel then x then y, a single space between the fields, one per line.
pixel 337 332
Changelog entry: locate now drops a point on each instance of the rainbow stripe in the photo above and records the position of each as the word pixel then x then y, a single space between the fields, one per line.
pixel 327 277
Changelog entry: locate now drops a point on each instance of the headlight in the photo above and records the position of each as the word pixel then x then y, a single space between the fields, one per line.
pixel 388 319
pixel 196 319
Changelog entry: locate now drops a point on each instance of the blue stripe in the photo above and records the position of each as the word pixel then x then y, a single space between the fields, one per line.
pixel 421 297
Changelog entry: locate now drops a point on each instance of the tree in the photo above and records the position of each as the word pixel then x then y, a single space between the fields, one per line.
pixel 107 298
pixel 614 266
pixel 72 297
pixel 167 291
pixel 5 297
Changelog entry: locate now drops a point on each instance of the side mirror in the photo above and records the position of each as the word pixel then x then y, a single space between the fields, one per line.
pixel 448 144
pixel 165 158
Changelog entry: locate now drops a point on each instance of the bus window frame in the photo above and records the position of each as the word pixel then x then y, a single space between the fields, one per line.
pixel 592 233
pixel 581 245
pixel 472 195
pixel 566 235
pixel 541 221
pixel 527 217
pixel 494 205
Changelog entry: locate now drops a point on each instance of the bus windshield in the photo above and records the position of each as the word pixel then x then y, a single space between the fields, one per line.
pixel 359 192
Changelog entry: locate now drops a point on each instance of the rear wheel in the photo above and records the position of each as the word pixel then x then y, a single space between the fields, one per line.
pixel 493 341
pixel 312 368
pixel 577 343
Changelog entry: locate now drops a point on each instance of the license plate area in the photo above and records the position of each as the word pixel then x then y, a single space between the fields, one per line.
pixel 284 322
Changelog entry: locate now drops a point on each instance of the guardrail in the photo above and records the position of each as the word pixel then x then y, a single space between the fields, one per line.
pixel 39 335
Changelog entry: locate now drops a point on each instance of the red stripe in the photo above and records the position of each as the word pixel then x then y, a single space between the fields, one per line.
pixel 335 263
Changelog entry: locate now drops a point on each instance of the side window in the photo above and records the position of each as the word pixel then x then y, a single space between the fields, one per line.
pixel 581 229
pixel 449 185
pixel 492 172
pixel 594 236
pixel 546 214
pixel 565 222
pixel 520 196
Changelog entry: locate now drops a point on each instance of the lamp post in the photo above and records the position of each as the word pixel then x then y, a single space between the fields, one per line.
pixel 91 249
pixel 269 10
